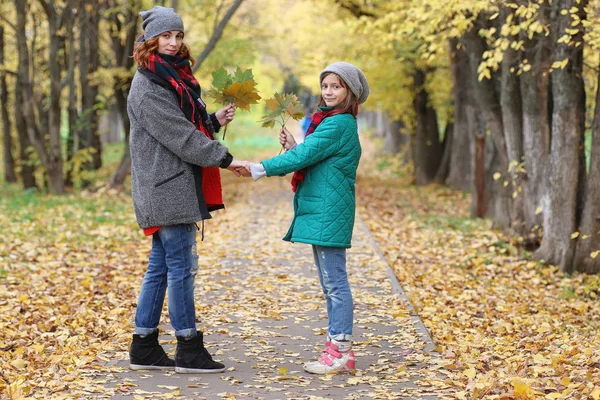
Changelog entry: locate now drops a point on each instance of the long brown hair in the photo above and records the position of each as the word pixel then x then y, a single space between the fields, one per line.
pixel 144 49
pixel 350 103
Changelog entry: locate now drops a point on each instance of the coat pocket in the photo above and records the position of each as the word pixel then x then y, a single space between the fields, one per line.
pixel 169 179
pixel 309 205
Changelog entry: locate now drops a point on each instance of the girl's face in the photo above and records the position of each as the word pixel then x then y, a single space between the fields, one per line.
pixel 332 91
pixel 170 42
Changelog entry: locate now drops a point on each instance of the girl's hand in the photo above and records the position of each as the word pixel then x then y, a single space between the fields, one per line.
pixel 226 114
pixel 286 139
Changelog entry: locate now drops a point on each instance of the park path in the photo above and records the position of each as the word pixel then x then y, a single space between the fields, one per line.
pixel 263 314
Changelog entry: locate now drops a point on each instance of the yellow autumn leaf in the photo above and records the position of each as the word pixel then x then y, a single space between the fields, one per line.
pixel 574 235
pixel 19 363
pixel 522 391
pixel 470 372
pixel 38 348
pixel 540 359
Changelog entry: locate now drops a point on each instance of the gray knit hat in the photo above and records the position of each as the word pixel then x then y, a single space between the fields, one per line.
pixel 354 78
pixel 160 19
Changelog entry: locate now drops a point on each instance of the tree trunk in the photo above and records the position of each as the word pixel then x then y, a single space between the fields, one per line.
pixel 427 150
pixel 9 161
pixel 124 169
pixel 122 51
pixel 54 167
pixel 27 169
pixel 28 118
pixel 72 112
pixel 395 139
pixel 563 195
pixel 588 243
pixel 444 168
pixel 512 114
pixel 487 101
pixel 535 92
pixel 88 64
pixel 480 200
pixel 460 172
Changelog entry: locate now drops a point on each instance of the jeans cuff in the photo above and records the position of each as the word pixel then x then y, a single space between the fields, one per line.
pixel 191 332
pixel 144 331
pixel 341 336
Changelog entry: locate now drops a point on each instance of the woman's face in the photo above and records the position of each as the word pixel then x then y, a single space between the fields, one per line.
pixel 170 42
pixel 332 90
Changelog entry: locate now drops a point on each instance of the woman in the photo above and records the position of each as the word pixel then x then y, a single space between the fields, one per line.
pixel 175 182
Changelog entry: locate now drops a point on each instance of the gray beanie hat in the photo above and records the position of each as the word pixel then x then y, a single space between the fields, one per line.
pixel 158 20
pixel 354 78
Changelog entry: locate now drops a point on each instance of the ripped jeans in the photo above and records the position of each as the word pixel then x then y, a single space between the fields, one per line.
pixel 331 265
pixel 172 265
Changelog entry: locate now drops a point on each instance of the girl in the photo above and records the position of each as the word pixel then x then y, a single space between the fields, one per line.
pixel 324 203
pixel 175 182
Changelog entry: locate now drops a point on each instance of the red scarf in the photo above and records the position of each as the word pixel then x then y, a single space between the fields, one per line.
pixel 317 118
pixel 176 70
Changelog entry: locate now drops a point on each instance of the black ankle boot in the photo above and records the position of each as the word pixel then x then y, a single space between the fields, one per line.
pixel 192 358
pixel 146 353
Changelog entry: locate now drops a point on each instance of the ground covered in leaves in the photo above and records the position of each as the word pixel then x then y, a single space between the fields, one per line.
pixel 507 327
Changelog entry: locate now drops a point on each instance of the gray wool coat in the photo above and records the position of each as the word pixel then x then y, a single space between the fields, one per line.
pixel 166 151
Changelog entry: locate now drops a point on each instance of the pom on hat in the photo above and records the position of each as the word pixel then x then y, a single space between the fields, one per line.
pixel 158 20
pixel 354 78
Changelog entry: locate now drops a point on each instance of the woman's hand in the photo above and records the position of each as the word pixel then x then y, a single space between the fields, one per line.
pixel 286 139
pixel 226 114
pixel 239 168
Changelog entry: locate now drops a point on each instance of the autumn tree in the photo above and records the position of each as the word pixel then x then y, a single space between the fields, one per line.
pixel 520 89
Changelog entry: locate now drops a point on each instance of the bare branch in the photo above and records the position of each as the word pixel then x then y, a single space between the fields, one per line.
pixel 355 9
pixel 218 32
pixel 3 18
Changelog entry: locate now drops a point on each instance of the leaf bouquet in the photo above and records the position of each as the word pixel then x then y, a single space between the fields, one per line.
pixel 280 109
pixel 238 88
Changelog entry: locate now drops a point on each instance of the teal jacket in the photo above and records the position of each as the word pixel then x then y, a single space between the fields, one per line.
pixel 324 203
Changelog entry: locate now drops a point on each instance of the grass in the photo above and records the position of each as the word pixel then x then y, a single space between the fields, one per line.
pixel 444 222
pixel 246 140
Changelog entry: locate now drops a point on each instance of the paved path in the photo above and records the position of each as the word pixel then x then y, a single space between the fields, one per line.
pixel 273 319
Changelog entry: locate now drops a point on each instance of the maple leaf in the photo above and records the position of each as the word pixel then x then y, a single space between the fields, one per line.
pixel 244 94
pixel 239 89
pixel 221 79
pixel 280 109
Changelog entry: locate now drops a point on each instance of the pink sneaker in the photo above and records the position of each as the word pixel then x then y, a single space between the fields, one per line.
pixel 337 357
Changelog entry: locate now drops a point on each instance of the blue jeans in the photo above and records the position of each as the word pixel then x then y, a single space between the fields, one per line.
pixel 172 265
pixel 331 265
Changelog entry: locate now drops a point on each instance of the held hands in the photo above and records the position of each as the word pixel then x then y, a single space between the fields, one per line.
pixel 240 168
pixel 226 114
pixel 286 139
